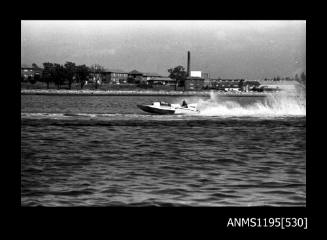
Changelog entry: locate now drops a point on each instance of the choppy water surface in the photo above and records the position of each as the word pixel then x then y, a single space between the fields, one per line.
pixel 103 151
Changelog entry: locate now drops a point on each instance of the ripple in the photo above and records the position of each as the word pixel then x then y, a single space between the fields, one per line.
pixel 98 158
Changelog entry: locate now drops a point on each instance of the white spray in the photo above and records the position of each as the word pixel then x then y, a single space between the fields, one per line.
pixel 281 104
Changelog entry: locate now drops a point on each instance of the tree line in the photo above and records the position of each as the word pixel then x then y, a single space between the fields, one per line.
pixel 68 73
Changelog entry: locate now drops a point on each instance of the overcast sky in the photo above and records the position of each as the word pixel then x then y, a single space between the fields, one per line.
pixel 227 49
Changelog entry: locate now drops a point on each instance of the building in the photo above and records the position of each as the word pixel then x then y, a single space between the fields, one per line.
pixel 155 80
pixel 148 76
pixel 135 76
pixel 96 77
pixel 249 85
pixel 194 80
pixel 195 74
pixel 30 72
pixel 227 84
pixel 206 75
pixel 114 76
pixel 194 83
pixel 283 85
pixel 165 83
pixel 207 81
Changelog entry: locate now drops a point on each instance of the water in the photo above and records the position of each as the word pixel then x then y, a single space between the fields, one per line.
pixel 103 151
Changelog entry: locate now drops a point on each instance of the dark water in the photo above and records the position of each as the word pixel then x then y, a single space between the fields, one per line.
pixel 103 151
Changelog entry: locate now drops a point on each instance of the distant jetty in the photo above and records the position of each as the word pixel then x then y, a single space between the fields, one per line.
pixel 136 93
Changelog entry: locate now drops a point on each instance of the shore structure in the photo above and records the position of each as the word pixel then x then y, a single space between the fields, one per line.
pixel 137 93
pixel 193 82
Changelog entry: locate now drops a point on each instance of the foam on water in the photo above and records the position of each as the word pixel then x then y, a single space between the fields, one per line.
pixel 274 105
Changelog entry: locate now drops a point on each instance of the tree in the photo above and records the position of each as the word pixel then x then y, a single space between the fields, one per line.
pixel 60 75
pixel 82 73
pixel 34 65
pixel 96 71
pixel 70 72
pixel 31 79
pixel 179 74
pixel 54 72
pixel 303 78
pixel 48 73
pixel 241 84
pixel 97 68
pixel 296 77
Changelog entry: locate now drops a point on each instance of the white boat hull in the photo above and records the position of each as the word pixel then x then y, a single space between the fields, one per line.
pixel 165 108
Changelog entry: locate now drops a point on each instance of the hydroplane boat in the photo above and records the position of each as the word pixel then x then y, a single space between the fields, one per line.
pixel 167 108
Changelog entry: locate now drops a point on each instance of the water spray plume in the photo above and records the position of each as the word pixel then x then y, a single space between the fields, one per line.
pixel 280 104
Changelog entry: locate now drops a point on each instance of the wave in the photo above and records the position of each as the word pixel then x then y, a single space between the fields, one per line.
pixel 61 115
pixel 96 116
pixel 143 119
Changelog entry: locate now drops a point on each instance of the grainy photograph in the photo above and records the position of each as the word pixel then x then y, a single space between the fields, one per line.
pixel 163 113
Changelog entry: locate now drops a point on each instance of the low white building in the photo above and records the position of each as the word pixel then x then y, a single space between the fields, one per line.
pixel 283 84
pixel 196 74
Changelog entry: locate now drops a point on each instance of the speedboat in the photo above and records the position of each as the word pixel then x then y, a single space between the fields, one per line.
pixel 166 108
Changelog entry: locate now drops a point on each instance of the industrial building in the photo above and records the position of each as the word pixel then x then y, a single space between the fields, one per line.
pixel 194 80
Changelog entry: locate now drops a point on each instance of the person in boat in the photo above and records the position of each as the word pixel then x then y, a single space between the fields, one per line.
pixel 184 104
pixel 164 104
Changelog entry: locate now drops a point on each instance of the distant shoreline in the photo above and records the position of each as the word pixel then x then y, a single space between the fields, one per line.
pixel 135 93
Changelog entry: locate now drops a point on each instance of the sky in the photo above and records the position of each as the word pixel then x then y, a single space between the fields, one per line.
pixel 226 49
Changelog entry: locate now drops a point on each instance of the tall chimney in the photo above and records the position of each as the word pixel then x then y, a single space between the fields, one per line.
pixel 188 63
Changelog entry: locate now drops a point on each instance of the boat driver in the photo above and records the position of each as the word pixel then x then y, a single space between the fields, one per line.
pixel 184 104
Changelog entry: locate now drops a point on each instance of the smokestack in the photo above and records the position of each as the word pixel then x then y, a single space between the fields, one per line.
pixel 188 63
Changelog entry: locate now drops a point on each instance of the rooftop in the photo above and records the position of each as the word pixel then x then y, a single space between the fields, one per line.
pixel 161 79
pixel 135 72
pixel 149 74
pixel 29 66
pixel 114 70
pixel 195 78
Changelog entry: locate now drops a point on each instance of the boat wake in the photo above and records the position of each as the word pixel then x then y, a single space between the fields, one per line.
pixel 274 105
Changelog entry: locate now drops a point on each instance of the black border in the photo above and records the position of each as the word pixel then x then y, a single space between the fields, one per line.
pixel 186 220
